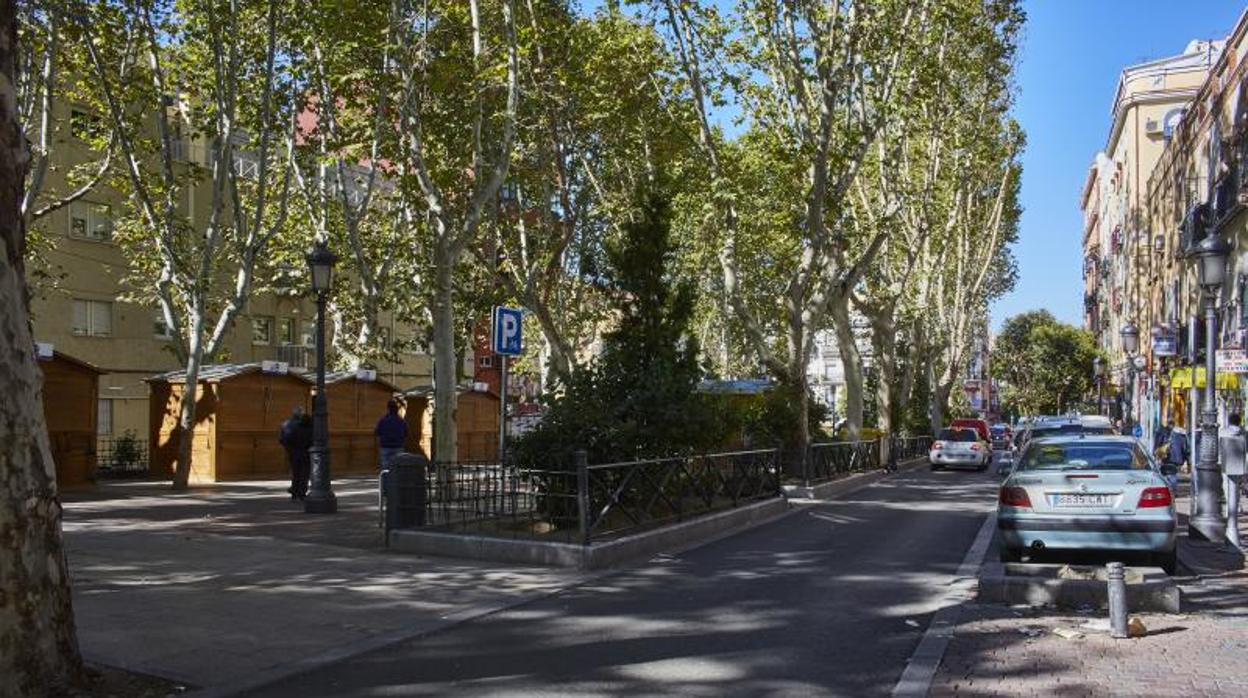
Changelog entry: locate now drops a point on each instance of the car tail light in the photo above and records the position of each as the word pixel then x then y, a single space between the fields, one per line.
pixel 976 447
pixel 1155 497
pixel 1015 497
pixel 936 446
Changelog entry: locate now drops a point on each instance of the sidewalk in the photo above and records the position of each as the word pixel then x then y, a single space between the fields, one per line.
pixel 223 585
pixel 1014 651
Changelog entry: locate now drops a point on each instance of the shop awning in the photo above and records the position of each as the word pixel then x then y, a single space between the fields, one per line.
pixel 1181 378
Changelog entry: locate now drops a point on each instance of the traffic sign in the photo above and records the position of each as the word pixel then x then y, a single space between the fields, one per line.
pixel 508 331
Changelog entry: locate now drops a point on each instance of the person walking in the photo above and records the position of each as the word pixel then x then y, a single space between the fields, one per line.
pixel 296 436
pixel 391 433
pixel 1176 455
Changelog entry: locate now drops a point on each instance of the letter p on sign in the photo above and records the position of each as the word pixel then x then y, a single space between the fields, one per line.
pixel 508 331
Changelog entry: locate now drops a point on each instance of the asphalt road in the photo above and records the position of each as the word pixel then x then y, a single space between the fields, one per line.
pixel 831 600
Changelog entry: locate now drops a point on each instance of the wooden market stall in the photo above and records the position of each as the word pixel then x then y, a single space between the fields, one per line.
pixel 240 409
pixel 476 424
pixel 71 393
pixel 356 400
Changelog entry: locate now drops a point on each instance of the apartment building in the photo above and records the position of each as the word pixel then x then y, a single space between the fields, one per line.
pixel 1119 245
pixel 81 309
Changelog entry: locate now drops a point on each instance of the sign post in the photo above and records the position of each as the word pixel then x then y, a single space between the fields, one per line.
pixel 508 340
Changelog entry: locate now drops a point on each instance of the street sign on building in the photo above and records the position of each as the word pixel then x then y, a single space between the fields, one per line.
pixel 508 331
pixel 1232 361
pixel 1165 345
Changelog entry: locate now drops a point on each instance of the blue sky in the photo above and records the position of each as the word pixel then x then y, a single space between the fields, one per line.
pixel 1073 52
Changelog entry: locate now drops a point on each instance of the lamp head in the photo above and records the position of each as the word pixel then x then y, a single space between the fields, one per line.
pixel 1210 256
pixel 321 263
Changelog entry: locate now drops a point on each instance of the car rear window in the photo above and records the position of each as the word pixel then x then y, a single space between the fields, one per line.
pixel 1076 455
pixel 956 435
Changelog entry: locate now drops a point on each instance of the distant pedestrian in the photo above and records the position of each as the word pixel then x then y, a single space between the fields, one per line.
pixel 1176 454
pixel 296 436
pixel 391 433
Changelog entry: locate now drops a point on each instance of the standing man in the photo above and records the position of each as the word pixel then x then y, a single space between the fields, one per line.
pixel 1232 450
pixel 391 433
pixel 296 436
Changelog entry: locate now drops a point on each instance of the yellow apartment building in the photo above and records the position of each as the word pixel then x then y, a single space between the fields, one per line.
pixel 1148 106
pixel 80 310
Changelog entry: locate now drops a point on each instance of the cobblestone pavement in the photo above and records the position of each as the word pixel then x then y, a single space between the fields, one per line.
pixel 1000 651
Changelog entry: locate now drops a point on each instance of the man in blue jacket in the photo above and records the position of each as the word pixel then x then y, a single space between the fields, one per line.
pixel 391 433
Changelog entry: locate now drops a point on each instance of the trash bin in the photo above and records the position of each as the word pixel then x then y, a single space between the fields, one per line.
pixel 405 491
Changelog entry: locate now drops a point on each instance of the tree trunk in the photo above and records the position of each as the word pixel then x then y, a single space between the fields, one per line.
pixel 852 359
pixel 188 407
pixel 38 644
pixel 445 370
pixel 938 405
pixel 884 329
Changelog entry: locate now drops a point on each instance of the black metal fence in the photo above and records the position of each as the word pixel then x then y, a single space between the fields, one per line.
pixel 120 456
pixel 582 502
pixel 911 447
pixel 830 461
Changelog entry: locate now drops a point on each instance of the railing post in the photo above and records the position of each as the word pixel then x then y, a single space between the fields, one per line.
pixel 581 458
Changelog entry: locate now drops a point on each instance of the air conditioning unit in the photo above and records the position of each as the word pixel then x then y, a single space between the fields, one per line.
pixel 1152 127
pixel 276 367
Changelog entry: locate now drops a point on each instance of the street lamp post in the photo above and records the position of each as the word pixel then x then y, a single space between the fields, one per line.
pixel 1098 373
pixel 1130 336
pixel 1210 257
pixel 320 499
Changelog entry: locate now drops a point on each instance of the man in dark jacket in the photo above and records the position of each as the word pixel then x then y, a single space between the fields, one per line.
pixel 296 436
pixel 1176 456
pixel 391 433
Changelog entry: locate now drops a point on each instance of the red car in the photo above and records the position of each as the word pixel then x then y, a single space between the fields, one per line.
pixel 979 426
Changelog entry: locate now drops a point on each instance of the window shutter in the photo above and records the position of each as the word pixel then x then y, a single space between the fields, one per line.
pixel 81 322
pixel 102 319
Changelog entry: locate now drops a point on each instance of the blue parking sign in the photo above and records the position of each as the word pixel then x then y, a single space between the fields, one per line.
pixel 508 330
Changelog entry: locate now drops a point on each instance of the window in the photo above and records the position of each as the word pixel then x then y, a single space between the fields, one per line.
pixel 160 330
pixel 88 221
pixel 485 362
pixel 308 337
pixel 286 331
pixel 262 330
pixel 92 318
pixel 104 421
pixel 84 125
pixel 383 337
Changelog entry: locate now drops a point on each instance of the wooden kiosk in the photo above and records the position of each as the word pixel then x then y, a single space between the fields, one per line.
pixel 71 393
pixel 476 424
pixel 240 409
pixel 356 400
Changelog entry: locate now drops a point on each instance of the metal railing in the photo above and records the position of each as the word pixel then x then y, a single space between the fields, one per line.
pixel 622 497
pixel 577 502
pixel 120 456
pixel 910 447
pixel 836 459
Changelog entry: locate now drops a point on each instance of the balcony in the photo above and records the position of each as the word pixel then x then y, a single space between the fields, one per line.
pixel 1193 229
pixel 1226 192
pixel 296 356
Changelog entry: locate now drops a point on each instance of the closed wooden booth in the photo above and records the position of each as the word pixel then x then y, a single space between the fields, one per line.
pixel 355 403
pixel 476 424
pixel 240 409
pixel 71 393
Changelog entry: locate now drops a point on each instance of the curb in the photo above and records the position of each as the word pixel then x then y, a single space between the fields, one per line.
pixel 849 483
pixel 916 679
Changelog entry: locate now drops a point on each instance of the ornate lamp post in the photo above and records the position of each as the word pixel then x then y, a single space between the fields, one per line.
pixel 1210 258
pixel 320 499
pixel 1130 336
pixel 1098 373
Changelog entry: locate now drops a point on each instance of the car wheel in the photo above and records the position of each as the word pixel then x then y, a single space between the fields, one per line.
pixel 937 468
pixel 1011 554
pixel 1168 562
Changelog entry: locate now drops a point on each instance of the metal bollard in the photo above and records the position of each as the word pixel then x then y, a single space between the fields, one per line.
pixel 1116 574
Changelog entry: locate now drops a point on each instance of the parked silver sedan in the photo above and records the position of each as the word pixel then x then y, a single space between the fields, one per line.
pixel 1086 492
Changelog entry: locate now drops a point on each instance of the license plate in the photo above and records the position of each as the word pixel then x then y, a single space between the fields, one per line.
pixel 1084 500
